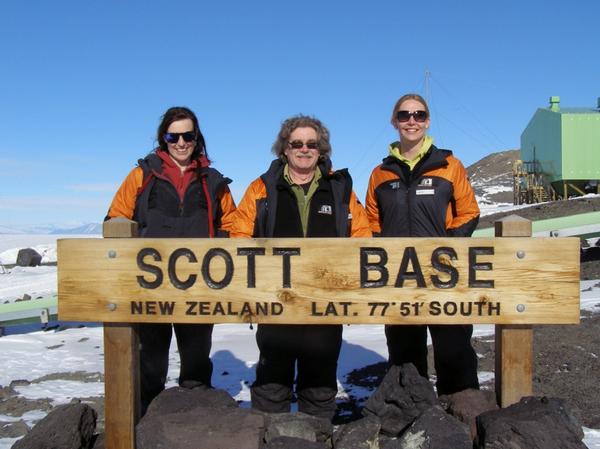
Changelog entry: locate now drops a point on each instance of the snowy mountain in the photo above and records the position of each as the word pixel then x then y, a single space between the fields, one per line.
pixel 7 230
pixel 87 229
pixel 81 229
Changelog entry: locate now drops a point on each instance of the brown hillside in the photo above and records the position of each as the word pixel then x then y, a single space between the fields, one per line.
pixel 492 173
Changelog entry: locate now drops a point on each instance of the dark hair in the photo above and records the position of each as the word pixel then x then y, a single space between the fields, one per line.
pixel 402 99
pixel 302 121
pixel 180 113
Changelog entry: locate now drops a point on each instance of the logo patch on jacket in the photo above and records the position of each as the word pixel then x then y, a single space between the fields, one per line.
pixel 425 182
pixel 326 209
pixel 394 185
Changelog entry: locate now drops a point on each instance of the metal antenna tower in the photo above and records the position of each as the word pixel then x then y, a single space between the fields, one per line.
pixel 427 92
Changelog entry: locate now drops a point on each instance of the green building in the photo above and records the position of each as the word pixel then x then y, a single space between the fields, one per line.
pixel 560 152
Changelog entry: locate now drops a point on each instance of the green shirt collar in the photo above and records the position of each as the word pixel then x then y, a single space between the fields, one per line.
pixel 302 199
pixel 394 150
pixel 288 178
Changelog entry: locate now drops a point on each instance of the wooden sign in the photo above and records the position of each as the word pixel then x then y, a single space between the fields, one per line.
pixel 319 281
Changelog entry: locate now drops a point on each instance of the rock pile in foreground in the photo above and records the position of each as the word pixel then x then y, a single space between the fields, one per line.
pixel 404 413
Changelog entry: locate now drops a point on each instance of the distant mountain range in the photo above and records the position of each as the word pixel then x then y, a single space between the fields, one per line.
pixel 82 229
pixel 491 178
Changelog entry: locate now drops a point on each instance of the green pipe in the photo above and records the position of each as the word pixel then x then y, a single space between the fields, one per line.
pixel 48 302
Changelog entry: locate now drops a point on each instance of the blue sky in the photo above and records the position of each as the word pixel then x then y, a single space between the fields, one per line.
pixel 84 83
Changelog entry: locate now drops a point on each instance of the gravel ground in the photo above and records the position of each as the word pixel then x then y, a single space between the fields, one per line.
pixel 544 211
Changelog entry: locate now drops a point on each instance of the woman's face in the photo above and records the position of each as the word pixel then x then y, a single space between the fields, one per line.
pixel 411 131
pixel 181 151
pixel 302 152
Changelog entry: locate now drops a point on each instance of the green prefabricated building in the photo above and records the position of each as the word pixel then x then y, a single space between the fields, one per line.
pixel 564 145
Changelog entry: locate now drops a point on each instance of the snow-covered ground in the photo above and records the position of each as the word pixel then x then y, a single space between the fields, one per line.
pixel 234 353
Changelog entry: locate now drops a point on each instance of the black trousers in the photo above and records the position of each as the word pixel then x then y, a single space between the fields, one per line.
pixel 454 358
pixel 193 343
pixel 315 350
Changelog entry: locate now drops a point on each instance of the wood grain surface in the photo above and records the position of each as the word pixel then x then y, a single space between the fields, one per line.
pixel 327 280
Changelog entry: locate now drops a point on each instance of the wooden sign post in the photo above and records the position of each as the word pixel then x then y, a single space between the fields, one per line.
pixel 513 373
pixel 512 282
pixel 121 365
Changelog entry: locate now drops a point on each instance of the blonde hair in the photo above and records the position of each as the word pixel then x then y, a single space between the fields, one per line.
pixel 402 99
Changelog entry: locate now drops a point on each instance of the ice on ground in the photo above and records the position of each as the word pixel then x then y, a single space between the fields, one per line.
pixel 34 281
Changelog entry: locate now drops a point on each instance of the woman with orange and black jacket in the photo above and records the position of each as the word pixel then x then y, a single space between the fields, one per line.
pixel 173 192
pixel 299 196
pixel 422 191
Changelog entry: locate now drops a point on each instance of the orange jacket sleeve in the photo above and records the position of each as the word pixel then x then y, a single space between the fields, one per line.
pixel 227 209
pixel 371 207
pixel 123 203
pixel 245 215
pixel 360 222
pixel 462 218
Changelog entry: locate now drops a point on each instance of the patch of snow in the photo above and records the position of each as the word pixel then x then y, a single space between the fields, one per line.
pixel 34 281
pixel 61 391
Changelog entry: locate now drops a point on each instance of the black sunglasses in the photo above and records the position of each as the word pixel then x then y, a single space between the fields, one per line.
pixel 189 136
pixel 298 144
pixel 419 116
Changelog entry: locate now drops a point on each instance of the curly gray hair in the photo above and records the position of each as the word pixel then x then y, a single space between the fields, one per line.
pixel 302 121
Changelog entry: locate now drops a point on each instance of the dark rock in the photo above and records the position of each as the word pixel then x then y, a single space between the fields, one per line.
pixel 577 346
pixel 386 442
pixel 294 443
pixel 17 405
pixel 436 429
pixel 69 426
pixel 202 428
pixel 361 434
pixel 466 405
pixel 177 399
pixel 402 396
pixel 99 441
pixel 13 429
pixel 28 257
pixel 297 425
pixel 6 392
pixel 532 423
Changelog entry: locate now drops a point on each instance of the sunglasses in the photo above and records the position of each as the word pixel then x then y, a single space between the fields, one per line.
pixel 298 144
pixel 189 136
pixel 419 116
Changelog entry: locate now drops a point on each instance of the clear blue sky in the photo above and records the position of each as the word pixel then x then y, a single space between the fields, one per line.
pixel 84 83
